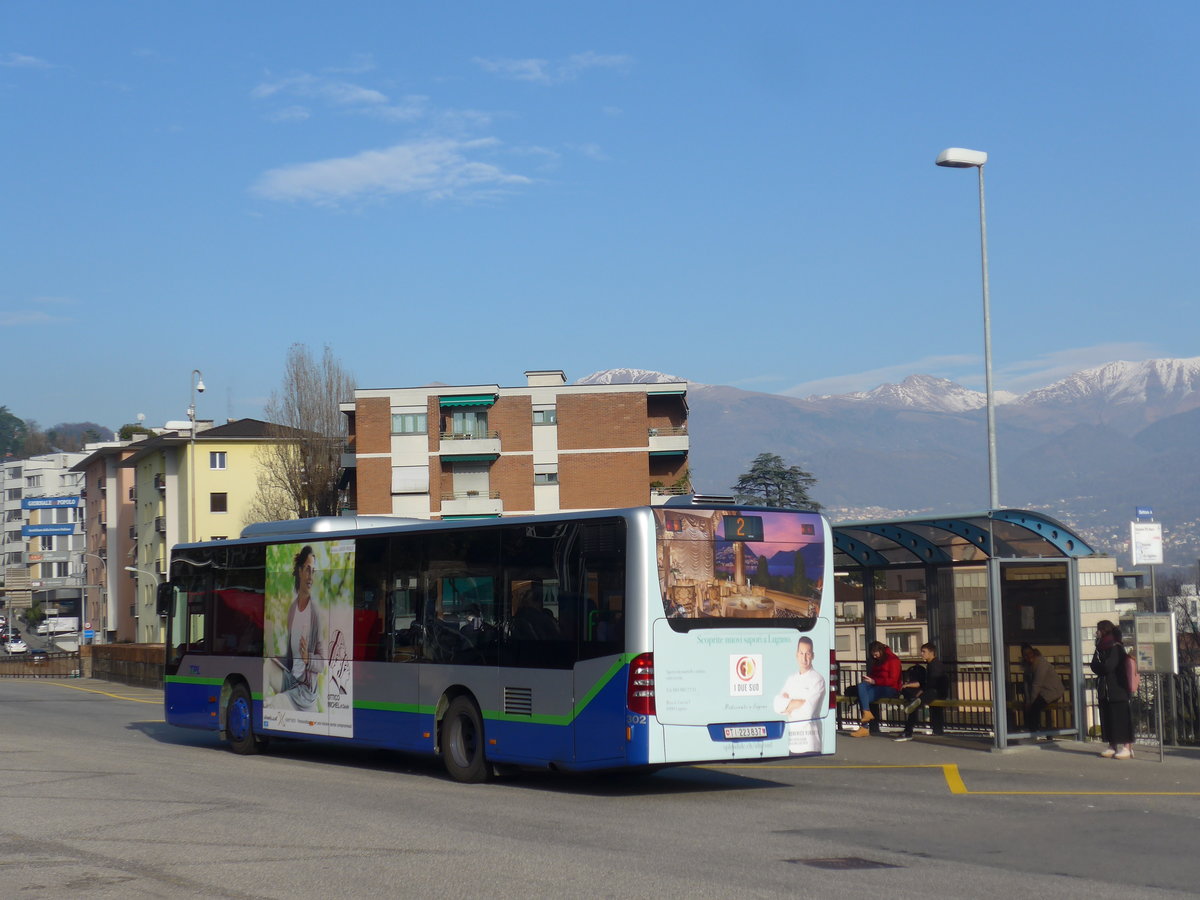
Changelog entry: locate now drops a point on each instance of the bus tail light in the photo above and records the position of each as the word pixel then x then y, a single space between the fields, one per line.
pixel 640 698
pixel 835 679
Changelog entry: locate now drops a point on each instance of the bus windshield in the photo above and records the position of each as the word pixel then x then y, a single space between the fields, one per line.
pixel 731 563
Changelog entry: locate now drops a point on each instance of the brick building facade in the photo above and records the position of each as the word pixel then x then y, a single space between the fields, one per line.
pixel 485 450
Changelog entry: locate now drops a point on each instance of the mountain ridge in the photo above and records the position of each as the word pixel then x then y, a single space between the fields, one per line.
pixel 1086 449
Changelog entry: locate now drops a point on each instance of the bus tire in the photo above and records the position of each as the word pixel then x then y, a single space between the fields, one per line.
pixel 239 723
pixel 462 742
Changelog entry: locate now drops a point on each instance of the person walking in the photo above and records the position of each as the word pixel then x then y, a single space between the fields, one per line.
pixel 1108 664
pixel 882 680
pixel 1042 687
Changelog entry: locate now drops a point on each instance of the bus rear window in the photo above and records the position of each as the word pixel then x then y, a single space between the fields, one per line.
pixel 729 567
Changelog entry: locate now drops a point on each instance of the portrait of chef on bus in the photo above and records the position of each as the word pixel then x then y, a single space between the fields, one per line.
pixel 801 701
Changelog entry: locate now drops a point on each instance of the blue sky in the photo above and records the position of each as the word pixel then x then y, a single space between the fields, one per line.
pixel 458 192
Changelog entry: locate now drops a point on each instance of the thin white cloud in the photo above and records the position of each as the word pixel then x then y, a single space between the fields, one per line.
pixel 1048 368
pixel 581 62
pixel 535 70
pixel 26 317
pixel 543 71
pixel 941 366
pixel 293 113
pixel 434 169
pixel 336 92
pixel 23 61
pixel 19 318
pixel 360 63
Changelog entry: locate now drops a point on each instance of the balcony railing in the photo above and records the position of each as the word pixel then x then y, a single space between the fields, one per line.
pixel 472 503
pixel 669 490
pixel 160 524
pixel 470 495
pixel 160 481
pixel 668 431
pixel 470 435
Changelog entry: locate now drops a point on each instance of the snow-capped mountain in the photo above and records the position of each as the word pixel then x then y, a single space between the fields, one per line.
pixel 922 392
pixel 627 376
pixel 1087 449
pixel 1154 381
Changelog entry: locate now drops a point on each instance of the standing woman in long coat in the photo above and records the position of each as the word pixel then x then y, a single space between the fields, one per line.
pixel 1108 662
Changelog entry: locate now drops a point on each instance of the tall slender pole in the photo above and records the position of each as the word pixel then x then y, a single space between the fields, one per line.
pixel 993 479
pixel 195 381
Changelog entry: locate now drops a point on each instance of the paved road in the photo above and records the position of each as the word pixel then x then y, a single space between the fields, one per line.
pixel 102 799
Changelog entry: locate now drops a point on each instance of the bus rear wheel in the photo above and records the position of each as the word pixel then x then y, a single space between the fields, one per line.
pixel 239 723
pixel 462 742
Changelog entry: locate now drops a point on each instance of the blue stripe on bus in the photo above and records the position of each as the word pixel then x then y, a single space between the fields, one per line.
pixel 600 735
pixel 193 704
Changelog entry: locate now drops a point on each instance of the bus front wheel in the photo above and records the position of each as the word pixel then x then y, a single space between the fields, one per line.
pixel 462 742
pixel 239 723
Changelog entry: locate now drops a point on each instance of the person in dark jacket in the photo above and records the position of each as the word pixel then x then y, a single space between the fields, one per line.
pixel 1042 687
pixel 1108 663
pixel 882 680
pixel 932 684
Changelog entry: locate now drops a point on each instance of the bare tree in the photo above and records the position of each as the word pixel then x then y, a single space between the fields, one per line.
pixel 1182 600
pixel 300 466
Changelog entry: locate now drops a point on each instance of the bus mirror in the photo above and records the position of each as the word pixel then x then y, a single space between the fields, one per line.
pixel 165 597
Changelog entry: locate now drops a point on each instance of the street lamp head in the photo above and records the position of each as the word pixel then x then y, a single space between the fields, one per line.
pixel 961 158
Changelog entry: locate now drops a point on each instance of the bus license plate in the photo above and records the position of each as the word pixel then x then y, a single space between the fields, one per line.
pixel 745 731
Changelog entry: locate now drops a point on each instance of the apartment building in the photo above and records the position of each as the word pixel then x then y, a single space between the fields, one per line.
pixel 187 487
pixel 475 451
pixel 108 540
pixel 42 513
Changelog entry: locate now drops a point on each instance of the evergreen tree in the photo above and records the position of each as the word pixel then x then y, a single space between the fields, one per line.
pixel 12 434
pixel 771 483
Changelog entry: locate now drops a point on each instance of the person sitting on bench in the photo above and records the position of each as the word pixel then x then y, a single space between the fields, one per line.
pixel 1042 687
pixel 882 680
pixel 934 684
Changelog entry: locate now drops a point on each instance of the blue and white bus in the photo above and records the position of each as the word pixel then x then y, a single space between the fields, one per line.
pixel 637 638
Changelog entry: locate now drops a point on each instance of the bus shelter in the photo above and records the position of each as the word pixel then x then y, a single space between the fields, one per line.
pixel 979 586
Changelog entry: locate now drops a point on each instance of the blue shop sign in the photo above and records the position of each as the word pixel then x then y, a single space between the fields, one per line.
pixel 35 530
pixel 48 502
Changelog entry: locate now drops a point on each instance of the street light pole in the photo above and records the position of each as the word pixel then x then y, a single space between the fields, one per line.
pixel 960 158
pixel 196 382
pixel 154 575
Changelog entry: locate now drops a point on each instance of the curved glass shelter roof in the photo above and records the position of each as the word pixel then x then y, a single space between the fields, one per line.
pixel 950 539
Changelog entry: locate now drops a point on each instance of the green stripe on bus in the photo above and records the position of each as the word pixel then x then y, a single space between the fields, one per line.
pixel 495 715
pixel 617 666
pixel 394 707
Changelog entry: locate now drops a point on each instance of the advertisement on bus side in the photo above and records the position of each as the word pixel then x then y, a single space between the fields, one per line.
pixel 307 633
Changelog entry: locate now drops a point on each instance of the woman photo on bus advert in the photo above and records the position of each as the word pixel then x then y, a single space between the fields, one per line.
pixel 297 674
pixel 1108 663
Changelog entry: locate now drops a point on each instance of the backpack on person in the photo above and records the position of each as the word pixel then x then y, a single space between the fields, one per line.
pixel 1133 677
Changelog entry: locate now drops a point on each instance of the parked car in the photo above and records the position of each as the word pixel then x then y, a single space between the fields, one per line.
pixel 38 655
pixel 16 645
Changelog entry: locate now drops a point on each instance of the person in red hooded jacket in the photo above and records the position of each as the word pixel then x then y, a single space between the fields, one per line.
pixel 882 680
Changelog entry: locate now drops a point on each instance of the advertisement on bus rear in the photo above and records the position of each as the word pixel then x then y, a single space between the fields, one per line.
pixel 307 632
pixel 742 650
pixel 728 563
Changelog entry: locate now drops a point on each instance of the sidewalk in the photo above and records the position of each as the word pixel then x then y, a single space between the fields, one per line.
pixel 1059 766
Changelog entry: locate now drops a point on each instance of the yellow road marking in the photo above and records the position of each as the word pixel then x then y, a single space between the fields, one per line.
pixel 956 784
pixel 76 687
